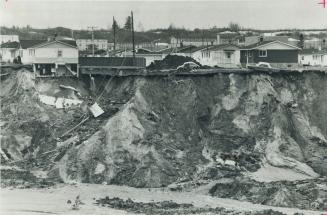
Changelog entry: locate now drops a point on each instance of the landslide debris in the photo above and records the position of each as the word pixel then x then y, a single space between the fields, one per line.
pixel 170 207
pixel 32 129
pixel 208 127
pixel 305 194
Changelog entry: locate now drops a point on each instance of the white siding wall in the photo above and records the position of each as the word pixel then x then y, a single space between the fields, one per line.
pixel 218 58
pixel 98 44
pixel 49 54
pixel 313 60
pixel 8 54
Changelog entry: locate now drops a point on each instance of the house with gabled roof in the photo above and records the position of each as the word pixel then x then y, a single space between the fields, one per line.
pixel 277 53
pixel 54 58
pixel 224 55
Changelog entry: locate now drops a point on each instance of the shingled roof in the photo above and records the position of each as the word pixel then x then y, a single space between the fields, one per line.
pixel 29 43
pixel 13 45
pixel 262 43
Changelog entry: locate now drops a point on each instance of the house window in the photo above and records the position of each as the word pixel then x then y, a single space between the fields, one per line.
pixel 248 54
pixel 59 53
pixel 31 52
pixel 262 53
pixel 302 57
pixel 228 55
pixel 21 53
pixel 205 54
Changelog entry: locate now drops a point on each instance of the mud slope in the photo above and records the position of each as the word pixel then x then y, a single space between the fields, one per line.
pixel 175 129
pixel 30 127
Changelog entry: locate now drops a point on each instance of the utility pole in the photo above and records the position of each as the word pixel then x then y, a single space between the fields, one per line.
pixel 133 38
pixel 114 28
pixel 92 28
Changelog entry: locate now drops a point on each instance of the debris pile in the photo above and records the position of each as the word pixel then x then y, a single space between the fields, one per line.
pixel 155 131
pixel 170 207
pixel 306 194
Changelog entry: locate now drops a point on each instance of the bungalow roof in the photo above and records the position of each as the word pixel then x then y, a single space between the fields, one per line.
pixel 264 43
pixel 12 45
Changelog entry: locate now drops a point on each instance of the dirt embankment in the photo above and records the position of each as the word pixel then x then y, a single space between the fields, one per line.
pixel 158 131
pixel 180 129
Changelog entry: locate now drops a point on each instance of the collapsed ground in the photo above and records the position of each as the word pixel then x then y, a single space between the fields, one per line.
pixel 259 138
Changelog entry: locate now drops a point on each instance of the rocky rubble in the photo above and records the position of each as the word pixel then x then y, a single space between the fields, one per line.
pixel 305 194
pixel 158 131
pixel 169 207
pixel 178 129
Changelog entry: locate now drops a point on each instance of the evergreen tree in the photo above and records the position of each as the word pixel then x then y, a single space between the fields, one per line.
pixel 128 23
pixel 115 25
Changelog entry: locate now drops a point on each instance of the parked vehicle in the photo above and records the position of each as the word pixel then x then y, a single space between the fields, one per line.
pixel 187 66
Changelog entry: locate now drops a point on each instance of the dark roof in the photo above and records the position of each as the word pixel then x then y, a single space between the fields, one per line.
pixel 167 51
pixel 190 49
pixel 256 44
pixel 312 51
pixel 29 43
pixel 69 42
pixel 14 45
pixel 222 46
pixel 111 61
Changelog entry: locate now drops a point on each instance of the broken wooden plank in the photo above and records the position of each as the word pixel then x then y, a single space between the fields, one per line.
pixel 96 110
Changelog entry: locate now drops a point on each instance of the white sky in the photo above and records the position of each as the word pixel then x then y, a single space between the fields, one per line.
pixel 263 14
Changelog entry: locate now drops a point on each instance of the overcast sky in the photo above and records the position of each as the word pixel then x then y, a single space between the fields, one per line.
pixel 263 14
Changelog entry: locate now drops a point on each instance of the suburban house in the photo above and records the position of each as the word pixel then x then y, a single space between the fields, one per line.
pixel 150 54
pixel 8 38
pixel 54 58
pixel 8 51
pixel 314 43
pixel 24 53
pixel 250 40
pixel 198 41
pixel 313 57
pixel 277 53
pixel 86 44
pixel 229 37
pixel 225 55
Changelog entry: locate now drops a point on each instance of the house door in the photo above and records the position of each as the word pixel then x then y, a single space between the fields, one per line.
pixel 229 56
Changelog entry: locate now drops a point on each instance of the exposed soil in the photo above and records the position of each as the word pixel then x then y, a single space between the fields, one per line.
pixel 170 207
pixel 306 194
pixel 159 132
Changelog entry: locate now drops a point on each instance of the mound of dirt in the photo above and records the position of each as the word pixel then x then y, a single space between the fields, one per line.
pixel 28 126
pixel 170 207
pixel 170 62
pixel 306 194
pixel 189 128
